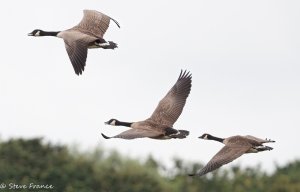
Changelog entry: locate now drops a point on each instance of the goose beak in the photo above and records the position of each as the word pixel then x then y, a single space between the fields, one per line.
pixel 106 123
pixel 30 34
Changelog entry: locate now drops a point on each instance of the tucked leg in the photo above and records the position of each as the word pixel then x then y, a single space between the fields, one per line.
pixel 110 45
pixel 264 148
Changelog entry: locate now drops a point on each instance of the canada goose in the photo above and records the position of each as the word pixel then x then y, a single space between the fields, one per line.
pixel 160 124
pixel 87 34
pixel 235 146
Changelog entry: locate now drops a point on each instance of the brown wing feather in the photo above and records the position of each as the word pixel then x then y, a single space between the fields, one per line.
pixel 136 133
pixel 171 106
pixel 77 51
pixel 94 23
pixel 224 156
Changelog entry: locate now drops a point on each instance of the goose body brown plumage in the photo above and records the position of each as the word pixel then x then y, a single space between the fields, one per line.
pixel 87 34
pixel 160 124
pixel 235 147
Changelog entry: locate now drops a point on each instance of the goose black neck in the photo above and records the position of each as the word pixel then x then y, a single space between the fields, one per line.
pixel 126 124
pixel 215 138
pixel 49 33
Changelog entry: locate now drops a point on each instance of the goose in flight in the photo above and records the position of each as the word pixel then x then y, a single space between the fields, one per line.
pixel 160 124
pixel 235 147
pixel 87 34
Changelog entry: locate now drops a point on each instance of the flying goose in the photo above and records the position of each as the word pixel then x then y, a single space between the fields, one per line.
pixel 87 34
pixel 160 124
pixel 235 147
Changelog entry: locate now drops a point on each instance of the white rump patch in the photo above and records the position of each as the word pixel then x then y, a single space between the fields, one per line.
pixel 103 44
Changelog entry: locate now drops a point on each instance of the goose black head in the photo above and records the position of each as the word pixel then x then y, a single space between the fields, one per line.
pixel 36 33
pixel 112 122
pixel 205 136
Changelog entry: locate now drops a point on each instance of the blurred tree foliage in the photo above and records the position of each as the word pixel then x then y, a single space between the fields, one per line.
pixel 33 161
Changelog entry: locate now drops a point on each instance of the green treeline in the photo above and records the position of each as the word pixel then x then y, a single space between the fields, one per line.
pixel 25 162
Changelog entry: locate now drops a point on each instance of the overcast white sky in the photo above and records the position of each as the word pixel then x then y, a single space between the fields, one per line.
pixel 244 57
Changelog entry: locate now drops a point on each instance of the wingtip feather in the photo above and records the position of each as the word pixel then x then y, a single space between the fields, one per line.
pixel 185 74
pixel 116 22
pixel 104 136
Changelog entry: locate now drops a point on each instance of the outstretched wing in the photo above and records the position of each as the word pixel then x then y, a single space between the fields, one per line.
pixel 171 106
pixel 224 156
pixel 76 45
pixel 77 51
pixel 94 23
pixel 135 133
